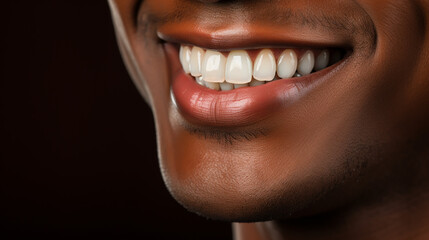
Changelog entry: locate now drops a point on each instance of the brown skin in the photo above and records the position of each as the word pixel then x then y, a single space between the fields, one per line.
pixel 349 160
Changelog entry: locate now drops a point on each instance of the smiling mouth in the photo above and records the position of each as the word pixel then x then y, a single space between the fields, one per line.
pixel 213 90
pixel 225 71
pixel 228 86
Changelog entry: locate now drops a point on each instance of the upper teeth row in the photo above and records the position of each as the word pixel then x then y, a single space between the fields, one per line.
pixel 213 67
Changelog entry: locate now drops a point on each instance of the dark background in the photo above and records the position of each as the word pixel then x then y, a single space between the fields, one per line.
pixel 78 153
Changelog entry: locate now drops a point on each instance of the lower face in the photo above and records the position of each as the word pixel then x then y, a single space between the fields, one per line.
pixel 243 136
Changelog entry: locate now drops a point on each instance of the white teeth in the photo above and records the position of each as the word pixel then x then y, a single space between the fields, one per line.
pixel 287 63
pixel 214 86
pixel 306 63
pixel 226 86
pixel 265 66
pixel 322 60
pixel 213 68
pixel 185 58
pixel 241 85
pixel 196 61
pixel 238 67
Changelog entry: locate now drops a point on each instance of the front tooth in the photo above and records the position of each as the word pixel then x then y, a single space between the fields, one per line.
pixel 287 63
pixel 265 66
pixel 322 60
pixel 238 67
pixel 226 86
pixel 306 63
pixel 213 85
pixel 196 61
pixel 213 67
pixel 185 58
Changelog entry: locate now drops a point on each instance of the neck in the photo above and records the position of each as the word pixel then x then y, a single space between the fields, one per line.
pixel 402 218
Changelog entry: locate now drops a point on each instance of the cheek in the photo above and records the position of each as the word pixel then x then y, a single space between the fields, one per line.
pixel 398 90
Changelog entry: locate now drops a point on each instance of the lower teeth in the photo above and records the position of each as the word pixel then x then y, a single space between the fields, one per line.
pixel 225 86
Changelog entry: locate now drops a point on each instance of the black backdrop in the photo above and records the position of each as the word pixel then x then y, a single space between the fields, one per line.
pixel 78 154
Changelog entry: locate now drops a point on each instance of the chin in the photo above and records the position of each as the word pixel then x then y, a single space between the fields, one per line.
pixel 255 187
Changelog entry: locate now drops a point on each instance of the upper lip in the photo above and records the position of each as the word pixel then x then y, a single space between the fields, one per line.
pixel 240 36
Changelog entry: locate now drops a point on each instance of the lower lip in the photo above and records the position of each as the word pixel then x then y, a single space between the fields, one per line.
pixel 239 107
